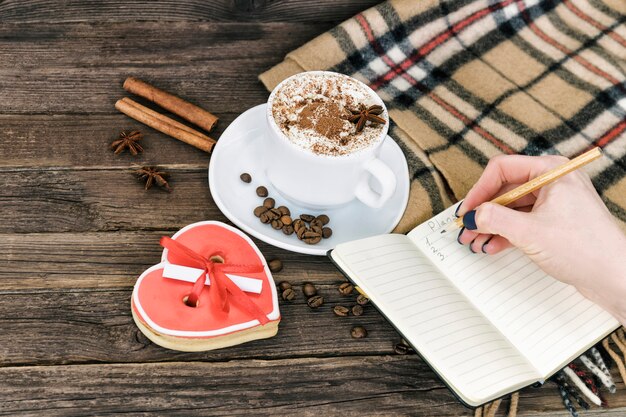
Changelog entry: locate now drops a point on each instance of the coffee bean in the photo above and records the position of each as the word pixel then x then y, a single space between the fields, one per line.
pixel 357 310
pixel 402 349
pixel 309 289
pixel 311 237
pixel 316 226
pixel 284 210
pixel 283 285
pixel 289 294
pixel 277 224
pixel 245 177
pixel 275 265
pixel 261 191
pixel 346 288
pixel 301 231
pixel 288 229
pixel 358 332
pixel 276 213
pixel 269 203
pixel 286 219
pixel 341 311
pixel 316 223
pixel 265 217
pixel 271 215
pixel 313 240
pixel 323 218
pixel 307 217
pixel 327 232
pixel 315 301
pixel 362 300
pixel 298 224
pixel 259 210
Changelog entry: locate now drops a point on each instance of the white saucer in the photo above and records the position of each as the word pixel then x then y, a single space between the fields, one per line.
pixel 242 148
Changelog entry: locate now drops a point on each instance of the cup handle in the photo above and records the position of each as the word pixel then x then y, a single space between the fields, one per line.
pixel 384 175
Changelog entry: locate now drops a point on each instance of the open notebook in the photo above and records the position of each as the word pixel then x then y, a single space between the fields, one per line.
pixel 487 324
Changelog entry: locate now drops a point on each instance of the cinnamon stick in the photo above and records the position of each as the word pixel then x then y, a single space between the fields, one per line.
pixel 176 105
pixel 164 124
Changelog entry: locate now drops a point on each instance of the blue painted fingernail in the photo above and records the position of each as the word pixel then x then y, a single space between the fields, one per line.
pixel 470 247
pixel 456 212
pixel 485 244
pixel 458 238
pixel 469 220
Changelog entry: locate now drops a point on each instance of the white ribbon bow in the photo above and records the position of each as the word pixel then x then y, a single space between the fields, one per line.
pixel 188 274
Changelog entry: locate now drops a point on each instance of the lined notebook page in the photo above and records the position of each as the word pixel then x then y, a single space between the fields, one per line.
pixel 455 338
pixel 548 321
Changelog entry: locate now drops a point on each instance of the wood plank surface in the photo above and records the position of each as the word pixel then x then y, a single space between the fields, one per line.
pixel 197 10
pixel 67 200
pixel 79 68
pixel 82 141
pixel 347 386
pixel 385 385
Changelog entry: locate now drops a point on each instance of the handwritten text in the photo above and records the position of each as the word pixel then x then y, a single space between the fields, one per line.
pixel 438 254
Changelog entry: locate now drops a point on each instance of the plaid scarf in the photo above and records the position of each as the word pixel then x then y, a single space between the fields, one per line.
pixel 465 80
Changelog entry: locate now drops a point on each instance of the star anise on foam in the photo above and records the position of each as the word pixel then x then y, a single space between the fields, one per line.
pixel 367 113
pixel 152 175
pixel 128 140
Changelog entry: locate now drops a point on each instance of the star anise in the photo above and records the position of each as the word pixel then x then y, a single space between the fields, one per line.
pixel 367 113
pixel 152 175
pixel 128 140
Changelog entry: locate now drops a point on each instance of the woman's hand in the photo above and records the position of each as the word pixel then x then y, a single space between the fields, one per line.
pixel 564 227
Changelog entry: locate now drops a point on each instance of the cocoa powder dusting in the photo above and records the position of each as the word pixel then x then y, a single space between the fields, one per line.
pixel 325 118
pixel 306 118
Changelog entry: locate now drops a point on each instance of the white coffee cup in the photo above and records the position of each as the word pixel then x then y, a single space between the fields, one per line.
pixel 324 181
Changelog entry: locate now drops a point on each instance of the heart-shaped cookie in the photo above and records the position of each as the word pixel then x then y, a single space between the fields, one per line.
pixel 212 289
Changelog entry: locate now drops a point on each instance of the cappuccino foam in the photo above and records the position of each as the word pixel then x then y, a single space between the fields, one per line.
pixel 313 111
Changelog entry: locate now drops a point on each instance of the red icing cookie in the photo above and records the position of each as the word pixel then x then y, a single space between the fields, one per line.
pixel 239 303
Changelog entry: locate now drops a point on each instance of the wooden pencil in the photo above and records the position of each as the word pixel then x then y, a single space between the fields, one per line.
pixel 536 183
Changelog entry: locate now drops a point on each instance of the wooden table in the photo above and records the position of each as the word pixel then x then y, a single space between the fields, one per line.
pixel 77 229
